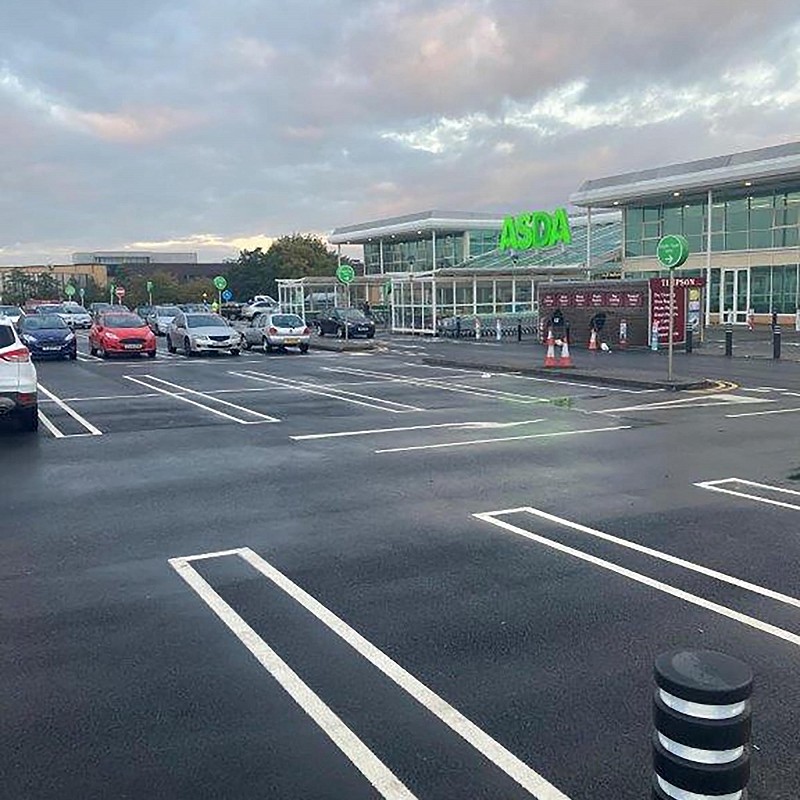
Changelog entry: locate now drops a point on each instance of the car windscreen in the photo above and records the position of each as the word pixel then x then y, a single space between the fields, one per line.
pixel 205 321
pixel 353 314
pixel 11 311
pixel 287 321
pixel 76 310
pixel 122 321
pixel 167 311
pixel 43 322
pixel 49 310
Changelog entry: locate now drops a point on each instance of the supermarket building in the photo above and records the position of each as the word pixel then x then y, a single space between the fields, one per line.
pixel 740 214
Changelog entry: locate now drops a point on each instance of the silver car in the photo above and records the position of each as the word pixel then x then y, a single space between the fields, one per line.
pixel 75 315
pixel 160 318
pixel 196 332
pixel 277 330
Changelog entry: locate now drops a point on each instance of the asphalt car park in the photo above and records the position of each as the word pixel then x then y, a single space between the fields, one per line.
pixel 358 575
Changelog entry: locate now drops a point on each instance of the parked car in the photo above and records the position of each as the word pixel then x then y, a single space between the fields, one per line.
pixel 18 380
pixel 75 315
pixel 14 313
pixel 48 308
pixel 351 322
pixel 120 332
pixel 97 308
pixel 277 330
pixel 263 305
pixel 195 308
pixel 194 332
pixel 160 318
pixel 144 311
pixel 48 336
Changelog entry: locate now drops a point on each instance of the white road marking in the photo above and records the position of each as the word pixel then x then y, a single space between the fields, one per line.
pixel 71 411
pixel 512 766
pixel 716 486
pixel 367 763
pixel 698 401
pixel 760 389
pixel 436 383
pixel 331 393
pixel 458 425
pixel 763 413
pixel 262 417
pixel 502 439
pixel 50 426
pixel 638 577
pixel 106 397
pixel 658 554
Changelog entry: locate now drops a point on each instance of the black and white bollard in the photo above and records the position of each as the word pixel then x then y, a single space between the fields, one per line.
pixel 728 339
pixel 776 342
pixel 701 712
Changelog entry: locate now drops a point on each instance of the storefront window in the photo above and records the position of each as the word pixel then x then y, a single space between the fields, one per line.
pixel 760 289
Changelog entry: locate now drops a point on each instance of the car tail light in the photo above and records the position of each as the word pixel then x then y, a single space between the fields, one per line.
pixel 273 331
pixel 306 331
pixel 18 355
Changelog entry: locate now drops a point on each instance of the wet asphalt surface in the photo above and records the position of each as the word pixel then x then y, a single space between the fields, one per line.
pixel 121 680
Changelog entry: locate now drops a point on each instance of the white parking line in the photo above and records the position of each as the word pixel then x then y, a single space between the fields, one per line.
pixel 745 619
pixel 262 418
pixel 328 391
pixel 698 401
pixel 437 383
pixel 717 486
pixel 763 413
pixel 50 426
pixel 657 554
pixel 370 766
pixel 458 425
pixel 505 760
pixel 502 439
pixel 71 411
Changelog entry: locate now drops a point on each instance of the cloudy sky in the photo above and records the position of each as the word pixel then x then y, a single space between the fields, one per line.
pixel 212 126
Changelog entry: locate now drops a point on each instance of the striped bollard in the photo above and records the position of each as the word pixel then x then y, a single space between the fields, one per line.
pixel 701 712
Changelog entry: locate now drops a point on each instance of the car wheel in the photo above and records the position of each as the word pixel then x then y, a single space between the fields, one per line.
pixel 73 355
pixel 371 335
pixel 92 350
pixel 187 348
pixel 267 346
pixel 151 354
pixel 247 345
pixel 320 330
pixel 171 347
pixel 235 352
pixel 29 418
pixel 304 348
pixel 103 353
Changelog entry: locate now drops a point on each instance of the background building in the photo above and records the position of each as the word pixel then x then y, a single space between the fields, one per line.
pixel 740 213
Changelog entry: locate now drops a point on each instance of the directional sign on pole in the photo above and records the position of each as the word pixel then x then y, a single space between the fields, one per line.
pixel 149 286
pixel 345 274
pixel 69 290
pixel 227 295
pixel 82 293
pixel 119 292
pixel 673 250
pixel 220 282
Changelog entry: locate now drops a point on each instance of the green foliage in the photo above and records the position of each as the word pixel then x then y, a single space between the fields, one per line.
pixel 294 256
pixel 19 285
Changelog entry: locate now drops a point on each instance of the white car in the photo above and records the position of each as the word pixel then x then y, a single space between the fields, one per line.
pixel 75 315
pixel 14 313
pixel 261 305
pixel 18 381
pixel 280 331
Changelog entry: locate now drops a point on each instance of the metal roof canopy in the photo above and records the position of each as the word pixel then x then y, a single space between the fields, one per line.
pixel 439 221
pixel 767 164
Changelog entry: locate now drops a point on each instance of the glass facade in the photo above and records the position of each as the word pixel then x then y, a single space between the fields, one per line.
pixel 416 255
pixel 740 220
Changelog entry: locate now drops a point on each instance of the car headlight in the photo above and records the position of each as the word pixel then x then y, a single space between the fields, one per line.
pixel 69 337
pixel 26 337
pixel 200 339
pixel 111 336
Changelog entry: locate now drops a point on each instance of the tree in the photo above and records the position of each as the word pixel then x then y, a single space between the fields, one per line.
pixel 293 256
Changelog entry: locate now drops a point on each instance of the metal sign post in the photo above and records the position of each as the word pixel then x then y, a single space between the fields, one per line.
pixel 672 252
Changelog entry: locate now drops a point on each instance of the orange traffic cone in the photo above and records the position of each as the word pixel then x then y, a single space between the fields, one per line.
pixel 593 340
pixel 550 356
pixel 566 358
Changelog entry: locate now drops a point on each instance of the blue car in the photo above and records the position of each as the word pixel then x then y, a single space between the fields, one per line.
pixel 48 336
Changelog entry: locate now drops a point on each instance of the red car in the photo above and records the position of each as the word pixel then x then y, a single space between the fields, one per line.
pixel 118 332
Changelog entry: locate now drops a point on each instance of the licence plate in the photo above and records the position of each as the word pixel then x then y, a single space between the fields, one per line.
pixel 133 347
pixel 51 347
pixel 291 341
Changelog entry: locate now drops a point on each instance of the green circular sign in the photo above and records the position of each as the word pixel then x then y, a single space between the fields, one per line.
pixel 345 273
pixel 69 290
pixel 220 282
pixel 673 250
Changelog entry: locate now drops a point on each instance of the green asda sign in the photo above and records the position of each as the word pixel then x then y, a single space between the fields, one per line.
pixel 534 230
